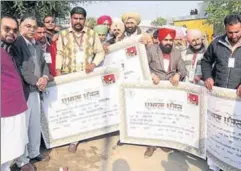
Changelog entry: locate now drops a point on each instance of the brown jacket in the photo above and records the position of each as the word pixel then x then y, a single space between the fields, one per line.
pixel 156 64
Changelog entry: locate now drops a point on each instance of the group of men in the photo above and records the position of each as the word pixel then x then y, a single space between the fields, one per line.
pixel 33 53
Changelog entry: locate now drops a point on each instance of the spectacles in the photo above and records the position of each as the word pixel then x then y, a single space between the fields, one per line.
pixel 49 22
pixel 116 30
pixel 8 29
pixel 31 27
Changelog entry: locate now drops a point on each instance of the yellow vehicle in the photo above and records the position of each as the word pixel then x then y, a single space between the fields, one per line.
pixel 196 23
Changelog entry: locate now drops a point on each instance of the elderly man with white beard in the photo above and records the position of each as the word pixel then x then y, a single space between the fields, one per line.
pixel 193 55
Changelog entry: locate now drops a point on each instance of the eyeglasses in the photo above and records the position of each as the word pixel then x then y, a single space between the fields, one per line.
pixel 31 27
pixel 116 30
pixel 48 22
pixel 8 29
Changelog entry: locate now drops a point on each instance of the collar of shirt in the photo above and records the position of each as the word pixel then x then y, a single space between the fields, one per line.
pixel 5 46
pixel 166 56
pixel 238 44
pixel 32 42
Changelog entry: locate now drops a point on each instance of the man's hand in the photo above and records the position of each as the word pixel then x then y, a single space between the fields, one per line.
pixel 197 79
pixel 90 67
pixel 145 39
pixel 155 79
pixel 239 91
pixel 106 48
pixel 42 83
pixel 209 83
pixel 175 79
pixel 58 72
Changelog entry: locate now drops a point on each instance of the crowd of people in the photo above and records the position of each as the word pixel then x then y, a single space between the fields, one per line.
pixel 34 52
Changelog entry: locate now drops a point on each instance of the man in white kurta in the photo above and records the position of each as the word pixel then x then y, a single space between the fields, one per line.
pixel 13 102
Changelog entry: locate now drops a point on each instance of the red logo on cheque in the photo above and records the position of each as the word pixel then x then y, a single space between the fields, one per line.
pixel 193 98
pixel 131 51
pixel 108 79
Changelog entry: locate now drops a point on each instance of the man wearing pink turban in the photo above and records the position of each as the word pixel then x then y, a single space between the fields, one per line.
pixel 105 20
pixel 165 63
pixel 180 39
pixel 193 55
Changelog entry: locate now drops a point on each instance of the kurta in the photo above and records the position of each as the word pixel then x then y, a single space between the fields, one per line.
pixel 13 107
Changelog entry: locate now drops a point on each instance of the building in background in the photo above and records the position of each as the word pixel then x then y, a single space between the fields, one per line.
pixel 197 20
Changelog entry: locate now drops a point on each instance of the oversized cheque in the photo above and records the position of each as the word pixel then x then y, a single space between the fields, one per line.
pixel 78 107
pixel 131 58
pixel 224 129
pixel 164 115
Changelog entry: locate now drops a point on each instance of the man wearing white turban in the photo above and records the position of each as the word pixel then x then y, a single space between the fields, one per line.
pixel 193 55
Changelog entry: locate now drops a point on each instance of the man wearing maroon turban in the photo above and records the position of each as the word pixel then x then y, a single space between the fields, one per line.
pixel 105 20
pixel 165 63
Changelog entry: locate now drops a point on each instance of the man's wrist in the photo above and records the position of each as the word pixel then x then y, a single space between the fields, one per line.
pixel 94 64
pixel 45 76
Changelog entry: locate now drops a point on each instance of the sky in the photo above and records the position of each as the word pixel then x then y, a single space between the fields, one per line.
pixel 148 10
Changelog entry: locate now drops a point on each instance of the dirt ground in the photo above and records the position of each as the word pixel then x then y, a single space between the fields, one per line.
pixel 103 154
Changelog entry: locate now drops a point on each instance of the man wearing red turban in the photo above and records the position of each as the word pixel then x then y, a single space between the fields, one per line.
pixel 105 20
pixel 165 63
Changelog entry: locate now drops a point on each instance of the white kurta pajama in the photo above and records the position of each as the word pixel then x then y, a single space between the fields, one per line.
pixel 13 137
pixel 13 107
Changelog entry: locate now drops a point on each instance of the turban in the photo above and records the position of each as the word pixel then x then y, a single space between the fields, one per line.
pixel 78 10
pixel 101 29
pixel 103 18
pixel 193 34
pixel 117 25
pixel 179 34
pixel 164 32
pixel 132 15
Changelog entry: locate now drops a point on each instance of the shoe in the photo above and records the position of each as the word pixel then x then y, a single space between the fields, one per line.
pixel 167 150
pixel 41 157
pixel 28 167
pixel 72 148
pixel 149 151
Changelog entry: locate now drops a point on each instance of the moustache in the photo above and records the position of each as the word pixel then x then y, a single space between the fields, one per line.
pixel 78 25
pixel 168 45
pixel 197 45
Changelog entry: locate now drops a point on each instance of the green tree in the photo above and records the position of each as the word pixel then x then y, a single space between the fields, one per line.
pixel 217 10
pixel 91 22
pixel 39 8
pixel 159 21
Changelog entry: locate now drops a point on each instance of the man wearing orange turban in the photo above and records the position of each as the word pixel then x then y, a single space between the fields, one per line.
pixel 165 63
pixel 131 21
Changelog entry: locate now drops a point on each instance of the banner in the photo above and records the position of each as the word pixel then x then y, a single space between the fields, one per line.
pixel 164 115
pixel 224 129
pixel 77 107
pixel 130 57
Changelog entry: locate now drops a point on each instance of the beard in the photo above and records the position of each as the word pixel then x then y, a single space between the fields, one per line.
pixel 166 49
pixel 130 30
pixel 9 39
pixel 197 48
pixel 234 40
pixel 116 34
